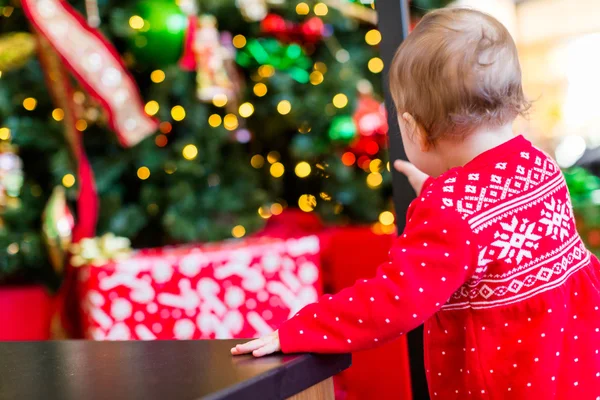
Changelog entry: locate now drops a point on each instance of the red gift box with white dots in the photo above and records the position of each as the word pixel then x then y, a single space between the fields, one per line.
pixel 237 289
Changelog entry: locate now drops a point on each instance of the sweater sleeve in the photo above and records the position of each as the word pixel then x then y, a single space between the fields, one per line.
pixel 429 262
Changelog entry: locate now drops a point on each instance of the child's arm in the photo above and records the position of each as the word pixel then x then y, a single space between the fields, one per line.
pixel 429 262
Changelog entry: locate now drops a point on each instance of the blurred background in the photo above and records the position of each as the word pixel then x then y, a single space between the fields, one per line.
pixel 133 133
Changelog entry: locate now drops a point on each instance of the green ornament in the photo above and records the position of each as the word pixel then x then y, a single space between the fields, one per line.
pixel 342 129
pixel 159 28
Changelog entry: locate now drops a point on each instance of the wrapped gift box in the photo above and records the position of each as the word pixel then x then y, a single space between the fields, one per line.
pixel 238 289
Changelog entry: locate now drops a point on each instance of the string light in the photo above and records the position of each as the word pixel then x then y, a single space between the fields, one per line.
pixel 316 77
pixel 239 41
pixel 386 218
pixel 151 107
pixel 161 141
pixel 276 208
pixel 214 120
pixel 387 166
pixel 302 8
pixel 178 113
pixel 219 100
pixel 375 65
pixel 190 152
pixel 307 202
pixel 373 37
pixel 4 133
pixel 136 22
pixel 374 179
pixel 13 248
pixel 165 127
pixel 303 169
pixel 321 9
pixel 78 98
pixel 143 173
pixel 284 107
pixel 277 170
pixel 273 156
pixel 342 55
pixel 340 100
pixel 157 76
pixel 81 125
pixel 320 66
pixel 246 110
pixel 304 128
pixel 30 103
pixel 58 114
pixel 325 196
pixel 264 212
pixel 230 122
pixel 238 231
pixel 372 148
pixel 375 165
pixel 266 71
pixel 257 161
pixel 260 89
pixel 68 180
pixel 348 159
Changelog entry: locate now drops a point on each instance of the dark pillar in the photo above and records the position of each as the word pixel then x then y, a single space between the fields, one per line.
pixel 394 20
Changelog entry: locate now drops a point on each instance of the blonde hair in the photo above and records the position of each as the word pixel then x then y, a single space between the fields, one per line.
pixel 458 71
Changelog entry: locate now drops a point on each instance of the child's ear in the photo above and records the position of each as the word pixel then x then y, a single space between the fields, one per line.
pixel 417 131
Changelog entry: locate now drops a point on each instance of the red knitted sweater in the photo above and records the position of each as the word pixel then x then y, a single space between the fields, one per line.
pixel 491 262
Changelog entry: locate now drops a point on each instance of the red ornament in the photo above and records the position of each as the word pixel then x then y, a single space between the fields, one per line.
pixel 309 31
pixel 370 117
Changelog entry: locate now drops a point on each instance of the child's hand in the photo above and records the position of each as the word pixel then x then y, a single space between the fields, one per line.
pixel 259 347
pixel 415 176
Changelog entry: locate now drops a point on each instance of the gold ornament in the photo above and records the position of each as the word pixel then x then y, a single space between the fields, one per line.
pixel 15 50
pixel 99 251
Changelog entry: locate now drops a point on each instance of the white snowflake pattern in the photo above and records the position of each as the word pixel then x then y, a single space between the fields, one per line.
pixel 556 218
pixel 516 240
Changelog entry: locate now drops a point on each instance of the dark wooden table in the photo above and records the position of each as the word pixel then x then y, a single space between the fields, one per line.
pixel 159 370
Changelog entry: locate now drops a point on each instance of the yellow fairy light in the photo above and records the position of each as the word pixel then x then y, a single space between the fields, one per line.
pixel 257 161
pixel 374 179
pixel 238 231
pixel 375 65
pixel 375 165
pixel 273 157
pixel 340 100
pixel 373 37
pixel 4 133
pixel 136 22
pixel 30 103
pixel 178 113
pixel 266 71
pixel 68 180
pixel 214 120
pixel 387 166
pixel 260 89
pixel 219 100
pixel 320 66
pixel 302 8
pixel 81 125
pixel 190 152
pixel 316 77
pixel 246 110
pixel 386 218
pixel 325 196
pixel 230 122
pixel 157 76
pixel 307 202
pixel 239 41
pixel 277 170
pixel 276 208
pixel 143 173
pixel 321 9
pixel 303 169
pixel 264 212
pixel 13 248
pixel 58 114
pixel 79 98
pixel 151 107
pixel 388 229
pixel 284 107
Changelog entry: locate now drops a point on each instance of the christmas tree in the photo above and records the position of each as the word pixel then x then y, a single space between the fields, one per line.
pixel 251 106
